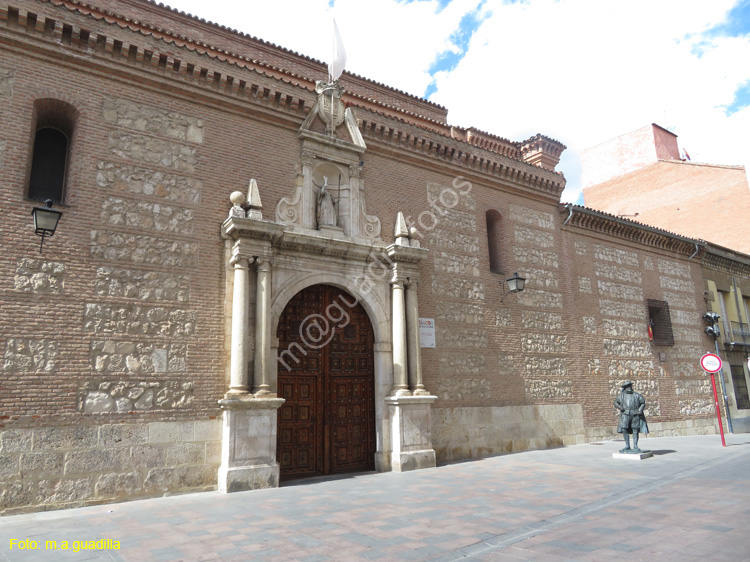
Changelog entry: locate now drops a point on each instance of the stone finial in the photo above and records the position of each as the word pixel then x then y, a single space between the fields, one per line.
pixel 413 233
pixel 238 200
pixel 401 232
pixel 253 201
pixel 253 195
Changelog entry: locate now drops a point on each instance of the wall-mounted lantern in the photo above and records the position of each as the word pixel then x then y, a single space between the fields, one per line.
pixel 45 221
pixel 516 284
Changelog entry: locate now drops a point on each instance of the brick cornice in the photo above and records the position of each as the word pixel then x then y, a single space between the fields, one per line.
pixel 610 225
pixel 223 55
pixel 275 89
pixel 726 260
pixel 408 139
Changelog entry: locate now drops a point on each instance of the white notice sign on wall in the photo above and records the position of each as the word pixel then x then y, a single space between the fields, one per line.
pixel 426 332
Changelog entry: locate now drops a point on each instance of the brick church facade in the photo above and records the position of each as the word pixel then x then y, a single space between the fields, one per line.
pixel 251 267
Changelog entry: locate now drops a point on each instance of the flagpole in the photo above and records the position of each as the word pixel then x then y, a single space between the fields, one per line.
pixel 330 68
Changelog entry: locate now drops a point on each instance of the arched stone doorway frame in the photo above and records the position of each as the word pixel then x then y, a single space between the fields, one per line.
pixel 274 261
pixel 377 312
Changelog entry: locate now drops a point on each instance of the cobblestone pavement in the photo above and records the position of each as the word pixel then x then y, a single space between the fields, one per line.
pixel 690 502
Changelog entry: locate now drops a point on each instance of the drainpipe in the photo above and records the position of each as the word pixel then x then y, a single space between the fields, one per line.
pixel 697 249
pixel 723 389
pixel 569 207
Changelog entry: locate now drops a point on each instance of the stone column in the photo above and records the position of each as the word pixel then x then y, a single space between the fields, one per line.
pixel 240 315
pixel 262 363
pixel 412 331
pixel 398 320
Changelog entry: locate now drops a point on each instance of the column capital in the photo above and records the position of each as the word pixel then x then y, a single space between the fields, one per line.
pixel 403 273
pixel 411 282
pixel 263 263
pixel 240 261
pixel 241 251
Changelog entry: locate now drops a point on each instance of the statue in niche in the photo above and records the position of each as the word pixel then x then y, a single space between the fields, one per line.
pixel 632 421
pixel 326 206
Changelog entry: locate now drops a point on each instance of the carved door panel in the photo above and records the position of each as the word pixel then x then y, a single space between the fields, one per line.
pixel 327 424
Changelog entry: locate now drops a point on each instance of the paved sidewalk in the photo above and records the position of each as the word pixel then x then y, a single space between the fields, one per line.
pixel 690 502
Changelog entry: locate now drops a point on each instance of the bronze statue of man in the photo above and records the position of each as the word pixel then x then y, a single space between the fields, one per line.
pixel 632 421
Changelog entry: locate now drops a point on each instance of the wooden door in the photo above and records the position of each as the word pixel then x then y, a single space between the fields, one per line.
pixel 327 424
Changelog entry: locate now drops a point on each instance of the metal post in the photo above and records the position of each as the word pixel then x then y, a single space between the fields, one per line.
pixel 718 412
pixel 723 392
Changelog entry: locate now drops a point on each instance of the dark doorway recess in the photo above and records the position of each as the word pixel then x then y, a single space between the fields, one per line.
pixel 327 424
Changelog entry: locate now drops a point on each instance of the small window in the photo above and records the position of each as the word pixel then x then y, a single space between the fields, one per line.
pixel 660 322
pixel 53 135
pixel 48 165
pixel 740 387
pixel 494 238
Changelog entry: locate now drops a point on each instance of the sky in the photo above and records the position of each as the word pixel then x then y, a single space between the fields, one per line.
pixel 579 71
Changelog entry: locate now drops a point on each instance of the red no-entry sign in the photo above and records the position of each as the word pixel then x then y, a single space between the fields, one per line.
pixel 711 363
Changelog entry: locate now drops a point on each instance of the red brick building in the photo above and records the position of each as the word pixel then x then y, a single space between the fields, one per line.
pixel 641 175
pixel 258 276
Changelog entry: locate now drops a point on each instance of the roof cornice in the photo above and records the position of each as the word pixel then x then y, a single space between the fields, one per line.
pixel 292 93
pixel 727 260
pixel 604 223
pixel 460 154
pixel 224 55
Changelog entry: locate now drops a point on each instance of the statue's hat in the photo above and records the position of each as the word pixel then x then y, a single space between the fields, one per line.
pixel 626 384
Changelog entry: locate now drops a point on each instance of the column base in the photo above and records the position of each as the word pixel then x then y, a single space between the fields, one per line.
pixel 411 432
pixel 243 478
pixel 413 460
pixel 248 449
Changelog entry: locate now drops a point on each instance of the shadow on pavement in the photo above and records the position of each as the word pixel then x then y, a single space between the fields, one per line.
pixel 325 478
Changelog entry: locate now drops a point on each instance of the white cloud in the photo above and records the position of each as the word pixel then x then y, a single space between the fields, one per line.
pixel 386 40
pixel 587 71
pixel 580 71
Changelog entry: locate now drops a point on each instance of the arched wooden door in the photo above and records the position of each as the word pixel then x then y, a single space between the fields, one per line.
pixel 327 424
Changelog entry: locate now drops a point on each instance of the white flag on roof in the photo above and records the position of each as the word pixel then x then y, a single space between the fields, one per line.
pixel 336 67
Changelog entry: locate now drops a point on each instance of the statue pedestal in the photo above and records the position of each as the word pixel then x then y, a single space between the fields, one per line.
pixel 633 456
pixel 411 431
pixel 332 231
pixel 248 448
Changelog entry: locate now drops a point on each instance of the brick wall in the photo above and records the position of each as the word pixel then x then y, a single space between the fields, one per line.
pixel 703 201
pixel 114 339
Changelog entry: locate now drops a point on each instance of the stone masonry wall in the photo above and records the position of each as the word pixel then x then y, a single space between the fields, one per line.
pixel 460 295
pixel 119 319
pixel 39 276
pixel 460 433
pixel 544 343
pixel 71 466
pixel 616 344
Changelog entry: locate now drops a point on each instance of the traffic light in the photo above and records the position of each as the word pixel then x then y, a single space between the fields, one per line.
pixel 711 317
pixel 713 329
